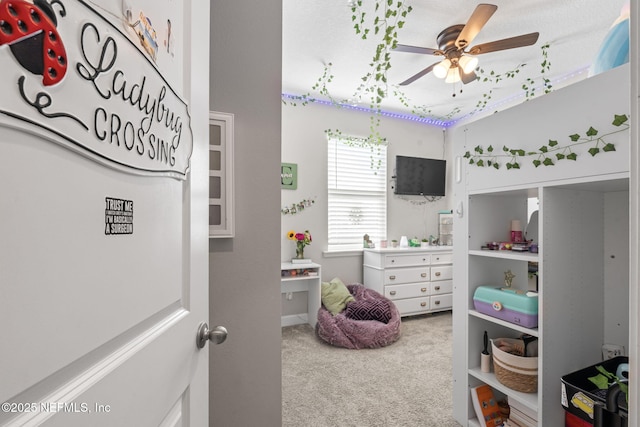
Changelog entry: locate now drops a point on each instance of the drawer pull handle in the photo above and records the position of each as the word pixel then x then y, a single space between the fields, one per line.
pixel 423 289
pixel 437 288
pixel 423 304
pixel 423 275
pixel 392 293
pixel 392 277
pixel 437 274
pixel 437 302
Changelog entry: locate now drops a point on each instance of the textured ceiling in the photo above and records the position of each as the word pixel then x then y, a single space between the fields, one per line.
pixel 320 32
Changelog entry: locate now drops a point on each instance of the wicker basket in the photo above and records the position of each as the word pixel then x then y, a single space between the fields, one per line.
pixel 513 370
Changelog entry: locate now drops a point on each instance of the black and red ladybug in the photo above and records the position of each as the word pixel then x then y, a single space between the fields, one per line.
pixel 29 29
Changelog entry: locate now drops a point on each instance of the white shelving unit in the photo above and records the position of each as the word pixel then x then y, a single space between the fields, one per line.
pixel 571 284
pixel 583 233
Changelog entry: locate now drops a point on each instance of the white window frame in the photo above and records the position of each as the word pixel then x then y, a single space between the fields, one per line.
pixel 356 193
pixel 221 129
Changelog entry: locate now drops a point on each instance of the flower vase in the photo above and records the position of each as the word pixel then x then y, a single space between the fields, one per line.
pixel 299 251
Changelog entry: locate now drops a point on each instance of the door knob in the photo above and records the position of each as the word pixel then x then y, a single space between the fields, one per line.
pixel 216 335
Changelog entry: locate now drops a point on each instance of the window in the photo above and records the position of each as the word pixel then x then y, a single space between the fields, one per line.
pixel 357 194
pixel 221 175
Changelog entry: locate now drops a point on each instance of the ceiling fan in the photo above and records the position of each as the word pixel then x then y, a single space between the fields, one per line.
pixel 457 65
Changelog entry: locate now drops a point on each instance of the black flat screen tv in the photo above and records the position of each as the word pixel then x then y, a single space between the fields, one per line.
pixel 420 176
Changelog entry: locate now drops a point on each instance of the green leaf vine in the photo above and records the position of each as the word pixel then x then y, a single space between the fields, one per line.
pixel 298 207
pixel 389 17
pixel 355 141
pixel 529 86
pixel 551 152
pixel 321 86
pixel 373 142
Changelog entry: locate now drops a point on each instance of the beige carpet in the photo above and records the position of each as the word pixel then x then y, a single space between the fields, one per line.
pixel 408 383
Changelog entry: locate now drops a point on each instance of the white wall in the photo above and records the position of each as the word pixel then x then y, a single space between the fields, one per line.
pixel 304 142
pixel 245 371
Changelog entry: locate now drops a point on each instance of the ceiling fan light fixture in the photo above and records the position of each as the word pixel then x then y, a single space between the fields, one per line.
pixel 453 75
pixel 453 44
pixel 441 70
pixel 468 63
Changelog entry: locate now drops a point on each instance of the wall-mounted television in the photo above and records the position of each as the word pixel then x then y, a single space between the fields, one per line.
pixel 420 176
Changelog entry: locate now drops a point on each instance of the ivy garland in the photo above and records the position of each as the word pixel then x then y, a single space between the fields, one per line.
pixel 492 77
pixel 320 86
pixel 545 155
pixel 354 140
pixel 528 87
pixel 386 22
pixel 374 143
pixel 296 208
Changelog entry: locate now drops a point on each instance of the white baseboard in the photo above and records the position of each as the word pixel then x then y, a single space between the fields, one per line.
pixel 294 319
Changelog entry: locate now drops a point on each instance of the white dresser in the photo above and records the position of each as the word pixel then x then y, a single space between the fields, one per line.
pixel 417 280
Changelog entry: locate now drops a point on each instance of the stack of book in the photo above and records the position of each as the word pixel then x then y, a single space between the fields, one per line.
pixel 485 406
pixel 521 416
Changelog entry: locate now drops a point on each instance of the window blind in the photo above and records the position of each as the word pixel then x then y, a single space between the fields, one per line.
pixel 357 194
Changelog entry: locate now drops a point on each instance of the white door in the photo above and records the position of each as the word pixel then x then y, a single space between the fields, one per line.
pixel 103 258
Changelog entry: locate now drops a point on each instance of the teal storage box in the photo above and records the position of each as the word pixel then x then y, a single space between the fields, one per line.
pixel 513 305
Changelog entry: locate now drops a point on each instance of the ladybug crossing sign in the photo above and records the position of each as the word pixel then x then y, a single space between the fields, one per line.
pixel 127 117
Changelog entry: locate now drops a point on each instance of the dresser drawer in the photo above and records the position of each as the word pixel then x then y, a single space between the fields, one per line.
pixel 412 305
pixel 406 260
pixel 442 273
pixel 443 287
pixel 412 290
pixel 441 302
pixel 441 258
pixel 406 275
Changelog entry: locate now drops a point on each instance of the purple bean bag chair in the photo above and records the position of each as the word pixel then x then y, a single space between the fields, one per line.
pixel 371 321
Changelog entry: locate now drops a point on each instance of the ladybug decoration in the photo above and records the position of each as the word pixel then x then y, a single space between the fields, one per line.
pixel 30 31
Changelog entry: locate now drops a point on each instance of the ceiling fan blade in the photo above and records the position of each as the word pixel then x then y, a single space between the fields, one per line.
pixel 420 74
pixel 510 43
pixel 468 77
pixel 416 49
pixel 478 19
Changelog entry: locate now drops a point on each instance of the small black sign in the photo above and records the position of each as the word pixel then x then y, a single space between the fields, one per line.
pixel 118 216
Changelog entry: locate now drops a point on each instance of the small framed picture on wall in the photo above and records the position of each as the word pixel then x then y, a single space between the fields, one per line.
pixel 289 176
